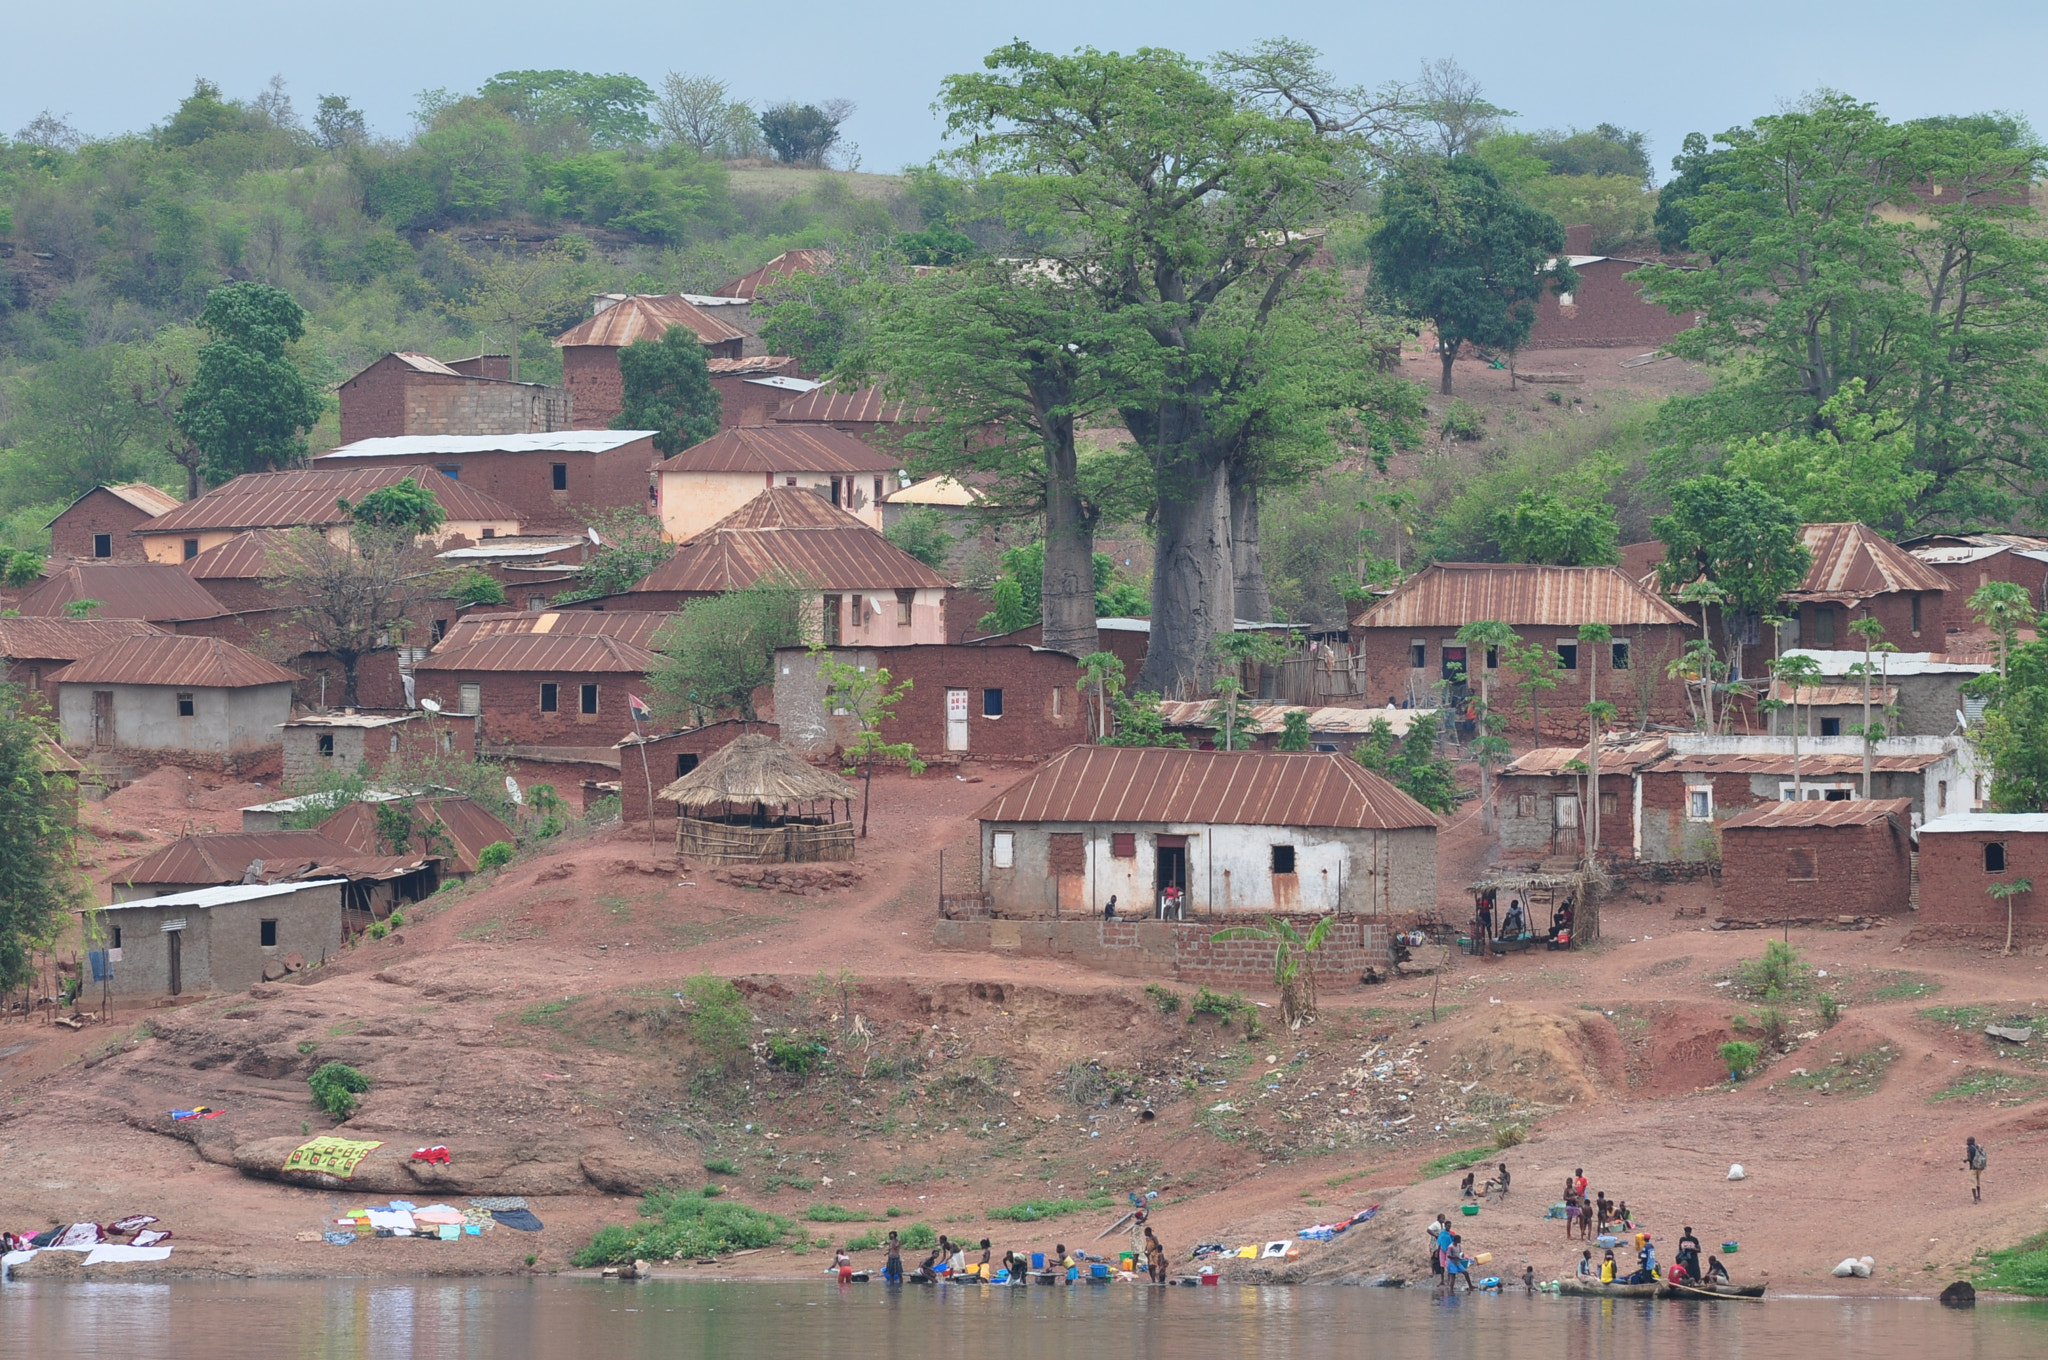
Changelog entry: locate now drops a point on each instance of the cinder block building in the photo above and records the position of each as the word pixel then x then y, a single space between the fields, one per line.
pixel 407 393
pixel 1817 860
pixel 965 702
pixel 34 649
pixel 547 481
pixel 222 939
pixel 590 350
pixel 101 524
pixel 182 699
pixel 1963 855
pixel 342 740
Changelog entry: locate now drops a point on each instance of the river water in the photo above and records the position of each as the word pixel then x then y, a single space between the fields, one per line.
pixel 563 1319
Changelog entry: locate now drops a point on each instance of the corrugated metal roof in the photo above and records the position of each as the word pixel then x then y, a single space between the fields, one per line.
pixel 1834 696
pixel 1329 721
pixel 831 403
pixel 1998 823
pixel 789 262
pixel 244 557
pixel 1956 549
pixel 290 500
pixel 1237 788
pixel 452 445
pixel 1821 812
pixel 646 316
pixel 1626 758
pixel 227 856
pixel 166 659
pixel 1895 665
pixel 424 363
pixel 637 627
pixel 752 365
pixel 65 639
pixel 158 591
pixel 342 718
pixel 506 549
pixel 1852 562
pixel 1811 765
pixel 1453 594
pixel 782 382
pixel 541 653
pixel 766 448
pixel 793 533
pixel 146 498
pixel 468 825
pixel 222 896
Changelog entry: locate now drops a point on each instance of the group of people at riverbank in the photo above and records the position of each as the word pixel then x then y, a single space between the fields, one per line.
pixel 959 1262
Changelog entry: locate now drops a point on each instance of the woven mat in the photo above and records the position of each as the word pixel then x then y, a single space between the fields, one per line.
pixel 332 1156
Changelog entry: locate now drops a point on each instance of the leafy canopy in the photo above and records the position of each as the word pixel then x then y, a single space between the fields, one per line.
pixel 717 651
pixel 668 390
pixel 39 884
pixel 404 505
pixel 249 406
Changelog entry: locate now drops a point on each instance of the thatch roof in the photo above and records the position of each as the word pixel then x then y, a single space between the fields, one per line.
pixel 756 769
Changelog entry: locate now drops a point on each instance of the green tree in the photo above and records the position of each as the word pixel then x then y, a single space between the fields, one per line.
pixel 248 407
pixel 717 651
pixel 799 134
pixel 1594 638
pixel 2006 892
pixel 921 532
pixel 1293 963
pixel 610 108
pixel 403 506
pixel 1847 469
pixel 1137 721
pixel 511 294
pixel 629 546
pixel 1696 167
pixel 668 390
pixel 1238 651
pixel 1797 674
pixel 39 883
pixel 1747 542
pixel 1294 731
pixel 1491 641
pixel 2013 736
pixel 1410 762
pixel 868 700
pixel 1536 670
pixel 2005 607
pixel 1454 246
pixel 1102 679
pixel 1871 630
pixel 1576 529
pixel 473 586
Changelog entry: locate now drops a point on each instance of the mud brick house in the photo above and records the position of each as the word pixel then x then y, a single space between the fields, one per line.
pixel 871 592
pixel 752 389
pixel 183 700
pixel 707 482
pixel 312 500
pixel 1408 640
pixel 1817 861
pixel 373 883
pixel 965 703
pixel 635 627
pixel 1128 639
pixel 101 524
pixel 1607 310
pixel 861 411
pixel 158 593
pixel 670 756
pixel 590 351
pixel 464 825
pixel 1967 561
pixel 1962 855
pixel 1539 801
pixel 1237 833
pixel 223 939
pixel 345 740
pixel 532 568
pixel 558 692
pixel 1329 729
pixel 543 482
pixel 35 649
pixel 406 393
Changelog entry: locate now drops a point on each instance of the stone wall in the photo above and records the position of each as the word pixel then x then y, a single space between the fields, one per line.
pixel 1182 951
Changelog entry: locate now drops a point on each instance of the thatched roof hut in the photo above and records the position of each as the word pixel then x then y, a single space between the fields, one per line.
pixel 756 771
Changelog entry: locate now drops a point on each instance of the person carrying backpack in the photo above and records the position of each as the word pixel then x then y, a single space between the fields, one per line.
pixel 1975 1159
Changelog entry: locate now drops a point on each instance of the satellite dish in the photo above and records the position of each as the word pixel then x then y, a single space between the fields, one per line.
pixel 431 705
pixel 512 792
pixel 593 535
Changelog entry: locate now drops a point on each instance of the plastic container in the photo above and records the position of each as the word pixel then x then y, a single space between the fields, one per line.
pixel 1099 1270
pixel 1038 1260
pixel 1469 1210
pixel 1730 1248
pixel 1209 1279
pixel 1484 1258
pixel 1608 1240
pixel 1127 1260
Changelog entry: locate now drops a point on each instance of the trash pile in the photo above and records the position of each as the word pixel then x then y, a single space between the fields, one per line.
pixel 435 1222
pixel 97 1241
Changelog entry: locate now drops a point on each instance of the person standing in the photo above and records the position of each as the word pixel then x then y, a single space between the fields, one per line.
pixel 845 1265
pixel 1975 1159
pixel 1436 1256
pixel 1528 1278
pixel 892 1261
pixel 1155 1257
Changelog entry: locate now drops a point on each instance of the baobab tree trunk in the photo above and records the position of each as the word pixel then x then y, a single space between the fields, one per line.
pixel 1193 592
pixel 1448 354
pixel 1067 589
pixel 1247 566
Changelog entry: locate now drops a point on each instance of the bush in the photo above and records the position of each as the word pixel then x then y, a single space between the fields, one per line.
pixel 836 1213
pixel 1830 1008
pixel 683 1224
pixel 1740 1056
pixel 1506 1136
pixel 1777 975
pixel 2018 1270
pixel 916 1237
pixel 1165 998
pixel 1031 1210
pixel 377 930
pixel 1462 420
pixel 1768 1025
pixel 1224 1008
pixel 720 1023
pixel 800 1054
pixel 724 1166
pixel 335 1088
pixel 496 855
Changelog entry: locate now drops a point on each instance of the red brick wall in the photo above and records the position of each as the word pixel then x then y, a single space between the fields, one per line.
pixel 1385 654
pixel 511 705
pixel 1181 950
pixel 1607 311
pixel 661 767
pixel 99 511
pixel 1953 884
pixel 392 398
pixel 1861 871
pixel 1029 680
pixel 747 403
pixel 1893 610
pixel 526 480
pixel 1965 577
pixel 591 373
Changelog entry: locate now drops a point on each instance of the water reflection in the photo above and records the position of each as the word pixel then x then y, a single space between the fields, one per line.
pixel 485 1320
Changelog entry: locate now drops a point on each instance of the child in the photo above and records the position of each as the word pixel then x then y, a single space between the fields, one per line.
pixel 845 1264
pixel 1465 1186
pixel 1528 1278
pixel 1586 1264
pixel 1607 1269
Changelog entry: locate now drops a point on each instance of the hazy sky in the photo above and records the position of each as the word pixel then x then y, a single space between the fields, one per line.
pixel 119 65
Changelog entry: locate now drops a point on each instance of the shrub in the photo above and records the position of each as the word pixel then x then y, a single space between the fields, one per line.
pixel 1775 976
pixel 395 920
pixel 1767 1024
pixel 1740 1056
pixel 496 855
pixel 1165 998
pixel 682 1223
pixel 335 1088
pixel 1830 1008
pixel 724 1166
pixel 800 1054
pixel 1031 1210
pixel 916 1237
pixel 377 930
pixel 1224 1008
pixel 2018 1270
pixel 1506 1136
pixel 720 1023
pixel 835 1213
pixel 1462 420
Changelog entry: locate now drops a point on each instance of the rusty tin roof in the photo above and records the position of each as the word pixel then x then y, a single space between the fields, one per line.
pixel 648 316
pixel 167 659
pixel 287 500
pixel 1521 595
pixel 789 262
pixel 158 591
pixel 1624 758
pixel 863 405
pixel 1852 562
pixel 766 448
pixel 468 825
pixel 635 626
pixel 1821 812
pixel 794 533
pixel 65 639
pixel 542 653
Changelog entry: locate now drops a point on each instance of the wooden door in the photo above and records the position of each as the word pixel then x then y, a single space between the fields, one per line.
pixel 173 942
pixel 103 718
pixel 1067 858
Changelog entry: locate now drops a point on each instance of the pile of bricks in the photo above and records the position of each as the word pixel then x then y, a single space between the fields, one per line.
pixel 797 880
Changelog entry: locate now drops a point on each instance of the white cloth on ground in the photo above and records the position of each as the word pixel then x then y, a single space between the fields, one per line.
pixel 112 1252
pixel 394 1219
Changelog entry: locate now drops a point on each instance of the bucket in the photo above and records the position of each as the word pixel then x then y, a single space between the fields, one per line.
pixel 1209 1279
pixel 1469 1210
pixel 1729 1247
pixel 1099 1270
pixel 1038 1260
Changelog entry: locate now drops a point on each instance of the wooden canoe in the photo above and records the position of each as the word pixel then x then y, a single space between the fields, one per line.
pixel 1713 1291
pixel 1597 1290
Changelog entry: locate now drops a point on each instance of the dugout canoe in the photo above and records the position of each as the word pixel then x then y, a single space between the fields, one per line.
pixel 1608 1291
pixel 1713 1291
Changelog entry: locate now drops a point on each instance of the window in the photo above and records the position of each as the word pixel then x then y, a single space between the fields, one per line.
pixel 1994 857
pixel 589 699
pixel 1418 655
pixel 991 703
pixel 452 471
pixel 103 546
pixel 1493 658
pixel 326 743
pixel 191 548
pixel 490 533
pixel 686 761
pixel 1123 844
pixel 184 705
pixel 831 619
pixel 835 491
pixel 536 604
pixel 1609 804
pixel 1004 850
pixel 1831 727
pixel 1916 616
pixel 1940 796
pixel 878 499
pixel 904 599
pixel 440 629
pixel 789 481
pixel 1699 803
pixel 1800 866
pixel 550 697
pixel 1057 691
pixel 394 743
pixel 1525 805
pixel 115 943
pixel 558 473
pixel 1839 795
pixel 1618 651
pixel 269 935
pixel 1283 859
pixel 860 610
pixel 472 698
pixel 447 742
pixel 1567 654
pixel 1823 626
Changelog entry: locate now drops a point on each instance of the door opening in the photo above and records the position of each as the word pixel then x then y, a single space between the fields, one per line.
pixel 1172 878
pixel 173 940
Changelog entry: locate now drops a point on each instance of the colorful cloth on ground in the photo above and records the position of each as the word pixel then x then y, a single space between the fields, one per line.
pixel 397 1220
pixel 200 1113
pixel 132 1223
pixel 437 1154
pixel 499 1201
pixel 338 1239
pixel 150 1238
pixel 333 1156
pixel 78 1235
pixel 438 1215
pixel 522 1219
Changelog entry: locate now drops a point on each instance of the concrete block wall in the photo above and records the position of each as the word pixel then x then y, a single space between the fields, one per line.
pixel 1182 951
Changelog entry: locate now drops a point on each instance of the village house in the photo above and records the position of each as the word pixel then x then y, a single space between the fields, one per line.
pixel 539 691
pixel 1411 654
pixel 101 523
pixel 1921 692
pixel 1607 310
pixel 1817 861
pixel 668 756
pixel 752 389
pixel 1962 856
pixel 590 350
pixel 224 939
pixel 972 702
pixel 754 801
pixel 461 827
pixel 709 482
pixel 747 287
pixel 544 482
pixel 860 411
pixel 154 592
pixel 406 393
pixel 1231 834
pixel 180 699
pixel 532 569
pixel 300 499
pixel 34 649
pixel 347 739
pixel 1539 799
pixel 638 628
pixel 1970 561
pixel 1129 640
pixel 373 885
pixel 870 592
